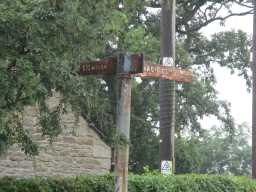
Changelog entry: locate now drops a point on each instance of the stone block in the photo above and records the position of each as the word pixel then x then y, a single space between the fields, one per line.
pixel 69 139
pixel 101 151
pixel 105 163
pixel 44 157
pixel 26 165
pixel 84 141
pixel 17 156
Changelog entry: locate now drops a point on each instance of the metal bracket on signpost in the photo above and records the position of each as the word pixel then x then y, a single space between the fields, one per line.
pixel 124 64
pixel 130 64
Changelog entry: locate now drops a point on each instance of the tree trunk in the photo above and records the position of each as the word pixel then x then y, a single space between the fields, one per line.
pixel 167 88
pixel 254 95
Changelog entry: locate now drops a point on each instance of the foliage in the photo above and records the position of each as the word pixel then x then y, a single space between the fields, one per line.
pixel 144 126
pixel 194 100
pixel 197 99
pixel 83 183
pixel 41 45
pixel 152 183
pixel 216 152
pixel 190 183
pixel 43 41
pixel 227 154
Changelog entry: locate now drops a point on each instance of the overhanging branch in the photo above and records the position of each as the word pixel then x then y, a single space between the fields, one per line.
pixel 199 26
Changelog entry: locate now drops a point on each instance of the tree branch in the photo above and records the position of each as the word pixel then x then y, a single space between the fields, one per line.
pixel 244 5
pixel 196 28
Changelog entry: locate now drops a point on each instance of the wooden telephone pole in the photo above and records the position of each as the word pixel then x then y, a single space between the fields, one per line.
pixel 254 94
pixel 167 87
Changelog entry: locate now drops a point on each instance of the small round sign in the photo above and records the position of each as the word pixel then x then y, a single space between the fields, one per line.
pixel 168 61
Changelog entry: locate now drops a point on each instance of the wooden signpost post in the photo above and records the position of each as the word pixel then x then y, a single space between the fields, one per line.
pixel 125 67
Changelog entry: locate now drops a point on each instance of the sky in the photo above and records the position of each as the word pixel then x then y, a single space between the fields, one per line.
pixel 231 87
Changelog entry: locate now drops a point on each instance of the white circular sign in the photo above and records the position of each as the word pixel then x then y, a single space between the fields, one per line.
pixel 168 61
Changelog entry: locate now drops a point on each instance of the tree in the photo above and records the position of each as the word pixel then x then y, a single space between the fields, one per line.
pixel 199 99
pixel 254 96
pixel 216 152
pixel 42 43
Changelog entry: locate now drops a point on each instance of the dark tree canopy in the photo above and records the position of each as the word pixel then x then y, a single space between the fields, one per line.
pixel 42 43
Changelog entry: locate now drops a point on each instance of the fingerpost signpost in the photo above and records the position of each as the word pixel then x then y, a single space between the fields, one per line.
pixel 126 66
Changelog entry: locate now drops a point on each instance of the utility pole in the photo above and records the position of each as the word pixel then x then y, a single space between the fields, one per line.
pixel 254 94
pixel 167 87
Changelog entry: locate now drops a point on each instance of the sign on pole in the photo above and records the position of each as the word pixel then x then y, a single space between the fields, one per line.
pixel 122 64
pixel 168 61
pixel 171 73
pixel 105 66
pixel 166 167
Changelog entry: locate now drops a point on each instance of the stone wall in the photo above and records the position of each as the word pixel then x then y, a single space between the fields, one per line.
pixel 78 150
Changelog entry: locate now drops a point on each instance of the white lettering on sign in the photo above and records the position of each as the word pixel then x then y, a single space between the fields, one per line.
pixel 168 61
pixel 171 73
pixel 166 167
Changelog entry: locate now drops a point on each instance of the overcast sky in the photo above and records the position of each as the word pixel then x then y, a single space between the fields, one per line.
pixel 231 87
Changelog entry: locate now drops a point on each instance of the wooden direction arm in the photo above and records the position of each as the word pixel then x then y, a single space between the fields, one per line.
pixel 105 66
pixel 120 65
pixel 171 73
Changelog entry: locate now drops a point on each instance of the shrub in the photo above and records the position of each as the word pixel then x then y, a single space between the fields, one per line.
pixel 137 183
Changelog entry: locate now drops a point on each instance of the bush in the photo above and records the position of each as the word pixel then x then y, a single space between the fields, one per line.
pixel 144 183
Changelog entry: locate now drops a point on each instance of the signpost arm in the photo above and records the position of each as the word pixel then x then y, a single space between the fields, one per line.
pixel 167 88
